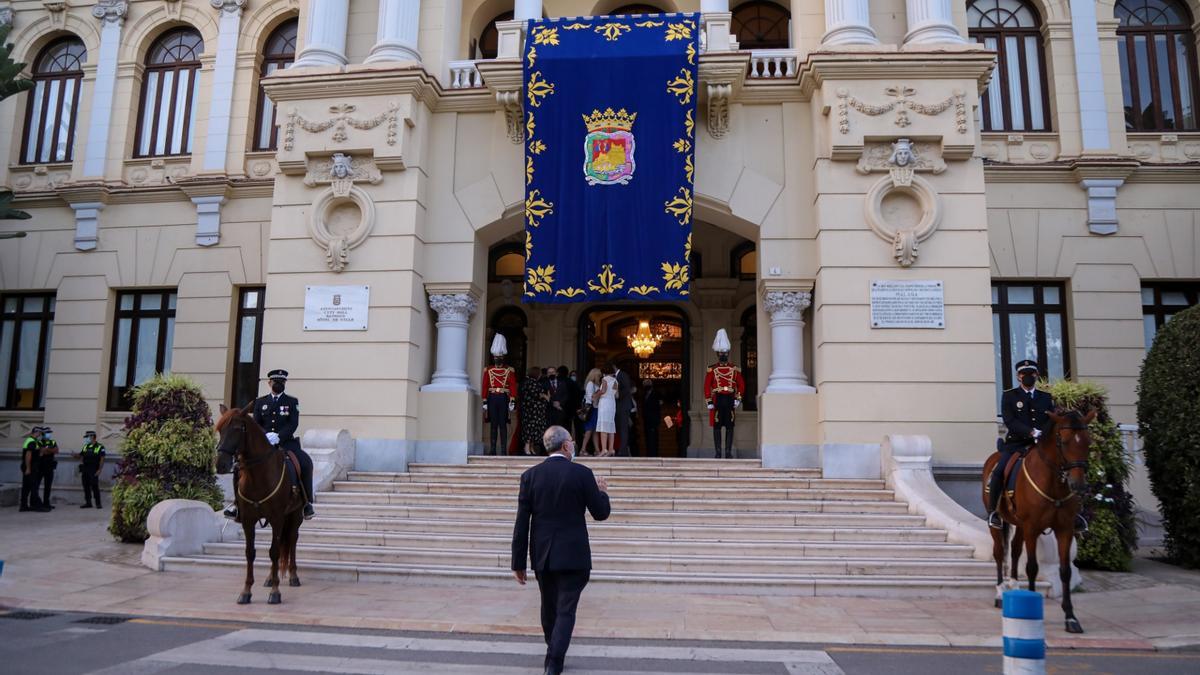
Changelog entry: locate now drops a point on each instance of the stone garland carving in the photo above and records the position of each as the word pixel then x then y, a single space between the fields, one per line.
pixel 454 306
pixel 786 305
pixel 343 215
pixel 513 116
pixel 902 164
pixel 718 108
pixel 902 104
pixel 342 117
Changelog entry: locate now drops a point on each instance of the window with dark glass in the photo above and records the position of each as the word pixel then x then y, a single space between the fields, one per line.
pixel 750 358
pixel 1162 301
pixel 1029 322
pixel 762 25
pixel 489 39
pixel 636 8
pixel 743 261
pixel 279 53
pixel 53 103
pixel 1157 51
pixel 167 113
pixel 248 349
pixel 26 325
pixel 143 333
pixel 1016 98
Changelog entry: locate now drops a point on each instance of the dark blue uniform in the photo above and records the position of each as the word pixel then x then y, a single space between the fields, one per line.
pixel 1022 412
pixel 47 463
pixel 281 414
pixel 90 457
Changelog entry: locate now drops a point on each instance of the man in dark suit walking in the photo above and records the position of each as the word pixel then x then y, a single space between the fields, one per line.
pixel 551 530
pixel 651 413
pixel 624 410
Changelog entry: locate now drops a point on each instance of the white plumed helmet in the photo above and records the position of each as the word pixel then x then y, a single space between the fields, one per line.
pixel 499 345
pixel 721 343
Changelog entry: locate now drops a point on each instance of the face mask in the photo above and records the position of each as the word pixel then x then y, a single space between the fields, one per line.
pixel 1028 380
pixel 277 387
pixel 574 378
pixel 48 436
pixel 723 358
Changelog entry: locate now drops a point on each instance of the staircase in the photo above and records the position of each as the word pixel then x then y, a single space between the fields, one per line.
pixel 684 525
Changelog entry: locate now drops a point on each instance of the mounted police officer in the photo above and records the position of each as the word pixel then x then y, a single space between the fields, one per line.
pixel 91 461
pixel 279 415
pixel 31 450
pixel 1026 414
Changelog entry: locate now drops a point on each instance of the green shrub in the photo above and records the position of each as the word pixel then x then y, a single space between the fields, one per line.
pixel 1168 412
pixel 168 453
pixel 1112 536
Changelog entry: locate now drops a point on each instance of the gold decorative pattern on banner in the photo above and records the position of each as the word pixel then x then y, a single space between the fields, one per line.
pixel 570 292
pixel 691 54
pixel 675 275
pixel 679 31
pixel 682 145
pixel 613 31
pixel 689 169
pixel 529 244
pixel 541 279
pixel 682 86
pixel 606 282
pixel 680 206
pixel 536 147
pixel 688 124
pixel 687 249
pixel 532 56
pixel 538 89
pixel 546 36
pixel 577 26
pixel 528 170
pixel 649 24
pixel 537 208
pixel 643 290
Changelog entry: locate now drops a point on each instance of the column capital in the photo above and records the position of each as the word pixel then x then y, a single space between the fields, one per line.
pixel 111 11
pixel 454 306
pixel 786 304
pixel 228 6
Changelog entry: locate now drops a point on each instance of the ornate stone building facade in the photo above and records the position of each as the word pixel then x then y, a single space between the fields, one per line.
pixel 192 167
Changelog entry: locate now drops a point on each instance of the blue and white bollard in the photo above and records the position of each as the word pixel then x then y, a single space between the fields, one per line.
pixel 1024 634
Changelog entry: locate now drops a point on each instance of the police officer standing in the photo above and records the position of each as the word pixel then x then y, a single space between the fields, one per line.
pixel 279 415
pixel 31 451
pixel 1026 414
pixel 48 459
pixel 91 461
pixel 500 382
pixel 723 388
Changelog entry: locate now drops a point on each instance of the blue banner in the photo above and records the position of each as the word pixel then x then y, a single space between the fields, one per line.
pixel 610 114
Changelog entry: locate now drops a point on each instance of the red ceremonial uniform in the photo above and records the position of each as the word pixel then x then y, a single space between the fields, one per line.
pixel 722 378
pixel 501 380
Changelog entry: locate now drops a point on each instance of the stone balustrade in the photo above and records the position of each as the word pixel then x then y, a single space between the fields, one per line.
pixel 464 75
pixel 773 63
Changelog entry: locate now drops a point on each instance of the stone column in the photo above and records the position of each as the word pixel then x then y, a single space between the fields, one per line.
pixel 717 26
pixel 396 39
pixel 527 9
pixel 786 309
pixel 1093 111
pixel 931 22
pixel 325 34
pixel 454 319
pixel 221 106
pixel 848 22
pixel 112 16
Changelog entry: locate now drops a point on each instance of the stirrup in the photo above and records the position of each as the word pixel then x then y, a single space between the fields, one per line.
pixel 232 512
pixel 1081 524
pixel 994 521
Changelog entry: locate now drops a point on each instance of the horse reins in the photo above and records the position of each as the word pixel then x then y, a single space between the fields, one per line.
pixel 1061 470
pixel 282 475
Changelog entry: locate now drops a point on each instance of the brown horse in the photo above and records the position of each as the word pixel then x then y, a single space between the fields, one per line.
pixel 263 493
pixel 1050 487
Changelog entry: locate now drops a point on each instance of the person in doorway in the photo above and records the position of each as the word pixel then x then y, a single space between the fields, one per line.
pixel 560 398
pixel 551 533
pixel 47 464
pixel 534 400
pixel 279 416
pixel 591 391
pixel 31 450
pixel 651 413
pixel 606 410
pixel 624 410
pixel 91 462
pixel 501 383
pixel 723 389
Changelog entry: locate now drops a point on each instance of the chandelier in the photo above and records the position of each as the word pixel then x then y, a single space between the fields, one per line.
pixel 642 341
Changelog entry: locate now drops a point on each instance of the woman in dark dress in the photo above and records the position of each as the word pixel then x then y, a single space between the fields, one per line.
pixel 535 401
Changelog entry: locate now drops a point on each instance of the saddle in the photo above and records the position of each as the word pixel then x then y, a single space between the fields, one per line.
pixel 1010 473
pixel 291 466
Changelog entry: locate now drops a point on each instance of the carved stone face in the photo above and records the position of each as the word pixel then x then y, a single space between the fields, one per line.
pixel 902 153
pixel 341 166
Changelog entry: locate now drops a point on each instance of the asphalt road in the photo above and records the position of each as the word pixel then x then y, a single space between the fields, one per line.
pixel 65 643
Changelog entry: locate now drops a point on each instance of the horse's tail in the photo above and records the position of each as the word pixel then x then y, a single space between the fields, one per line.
pixel 285 553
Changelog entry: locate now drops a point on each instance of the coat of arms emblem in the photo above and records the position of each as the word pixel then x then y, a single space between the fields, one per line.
pixel 337 299
pixel 608 147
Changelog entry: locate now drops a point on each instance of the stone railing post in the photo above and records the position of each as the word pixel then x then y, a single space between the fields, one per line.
pixel 454 311
pixel 786 309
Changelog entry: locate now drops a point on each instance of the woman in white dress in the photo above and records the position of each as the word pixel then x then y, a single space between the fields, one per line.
pixel 590 390
pixel 606 411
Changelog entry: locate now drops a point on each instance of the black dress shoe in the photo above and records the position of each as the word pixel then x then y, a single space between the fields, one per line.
pixel 308 512
pixel 85 506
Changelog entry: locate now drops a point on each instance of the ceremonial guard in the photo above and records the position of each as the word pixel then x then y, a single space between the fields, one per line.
pixel 91 461
pixel 500 385
pixel 31 451
pixel 723 389
pixel 279 415
pixel 48 462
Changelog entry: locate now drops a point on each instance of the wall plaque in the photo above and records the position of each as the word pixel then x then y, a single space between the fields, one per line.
pixel 907 304
pixel 336 307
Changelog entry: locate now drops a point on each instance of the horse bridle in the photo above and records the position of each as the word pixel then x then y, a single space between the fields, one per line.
pixel 1064 467
pixel 253 462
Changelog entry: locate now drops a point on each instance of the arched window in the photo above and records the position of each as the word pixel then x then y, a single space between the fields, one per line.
pixel 279 53
pixel 53 103
pixel 167 113
pixel 1158 65
pixel 749 364
pixel 1016 98
pixel 743 261
pixel 489 39
pixel 636 8
pixel 506 261
pixel 759 24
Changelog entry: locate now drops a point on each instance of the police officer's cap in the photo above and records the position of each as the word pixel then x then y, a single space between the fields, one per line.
pixel 38 430
pixel 277 374
pixel 1028 364
pixel 89 432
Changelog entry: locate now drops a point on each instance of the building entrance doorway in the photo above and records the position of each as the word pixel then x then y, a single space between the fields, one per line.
pixel 649 343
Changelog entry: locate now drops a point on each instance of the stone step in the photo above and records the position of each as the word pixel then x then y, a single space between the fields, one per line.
pixel 617 490
pixel 630 470
pixel 699 564
pixel 639 504
pixel 626 515
pixel 978 588
pixel 624 480
pixel 608 528
pixel 605 543
pixel 667 462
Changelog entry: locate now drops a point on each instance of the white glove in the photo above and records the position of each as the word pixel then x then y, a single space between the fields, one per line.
pixel 737 402
pixel 1037 433
pixel 710 406
pixel 272 438
pixel 512 405
pixel 485 405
